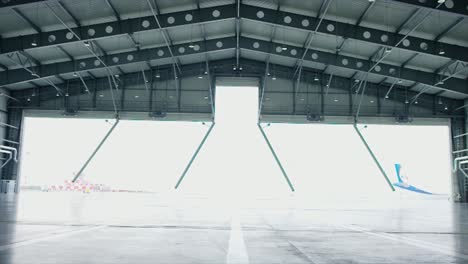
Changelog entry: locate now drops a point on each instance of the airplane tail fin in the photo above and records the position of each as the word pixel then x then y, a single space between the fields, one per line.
pixel 397 169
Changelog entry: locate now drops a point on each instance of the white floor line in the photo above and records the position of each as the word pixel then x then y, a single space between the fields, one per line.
pixel 237 252
pixel 47 238
pixel 410 241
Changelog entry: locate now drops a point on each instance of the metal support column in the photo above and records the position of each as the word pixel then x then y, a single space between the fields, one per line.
pixel 276 158
pixel 194 156
pixel 374 157
pixel 459 148
pixel 96 150
pixel 13 135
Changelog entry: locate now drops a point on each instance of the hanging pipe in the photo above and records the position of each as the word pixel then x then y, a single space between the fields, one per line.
pixel 9 157
pixel 15 156
pixel 461 169
pixel 456 160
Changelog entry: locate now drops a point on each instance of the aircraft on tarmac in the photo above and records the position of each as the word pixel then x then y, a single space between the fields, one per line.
pixel 403 182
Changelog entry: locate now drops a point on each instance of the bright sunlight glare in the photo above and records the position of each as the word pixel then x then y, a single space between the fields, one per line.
pixel 322 161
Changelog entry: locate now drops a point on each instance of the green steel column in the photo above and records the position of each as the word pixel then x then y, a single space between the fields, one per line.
pixel 96 150
pixel 373 157
pixel 194 156
pixel 276 157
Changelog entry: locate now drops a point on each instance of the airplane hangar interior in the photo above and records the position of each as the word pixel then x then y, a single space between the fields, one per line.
pixel 233 131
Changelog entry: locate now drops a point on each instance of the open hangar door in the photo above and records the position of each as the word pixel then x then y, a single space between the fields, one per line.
pixel 330 161
pixel 362 86
pixel 138 156
pixel 317 160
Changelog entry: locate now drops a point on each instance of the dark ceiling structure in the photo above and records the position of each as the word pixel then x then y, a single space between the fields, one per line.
pixel 409 53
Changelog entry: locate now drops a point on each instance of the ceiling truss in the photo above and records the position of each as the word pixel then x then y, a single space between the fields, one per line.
pixel 444 79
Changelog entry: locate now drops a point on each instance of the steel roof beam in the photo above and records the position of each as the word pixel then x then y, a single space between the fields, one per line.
pixel 407 20
pixel 213 45
pixel 81 65
pixel 113 29
pixel 365 13
pixel 114 11
pixel 26 19
pixel 238 5
pixel 454 7
pixel 365 34
pixel 66 11
pixel 362 65
pixel 403 65
pixel 165 35
pixel 220 68
pixel 69 56
pixel 449 29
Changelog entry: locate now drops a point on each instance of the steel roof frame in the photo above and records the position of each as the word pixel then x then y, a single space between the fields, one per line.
pixel 459 8
pixel 115 28
pixel 361 33
pixel 252 68
pixel 270 16
pixel 213 45
pixel 114 60
pixel 204 15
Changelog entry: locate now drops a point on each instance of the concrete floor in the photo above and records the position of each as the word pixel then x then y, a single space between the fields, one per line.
pixel 102 228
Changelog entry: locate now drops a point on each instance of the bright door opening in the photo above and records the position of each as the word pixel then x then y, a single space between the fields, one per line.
pixel 322 161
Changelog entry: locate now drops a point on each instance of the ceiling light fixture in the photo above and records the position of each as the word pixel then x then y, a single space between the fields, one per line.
pixel 316 78
pixel 441 51
pixel 34 43
pixel 87 44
